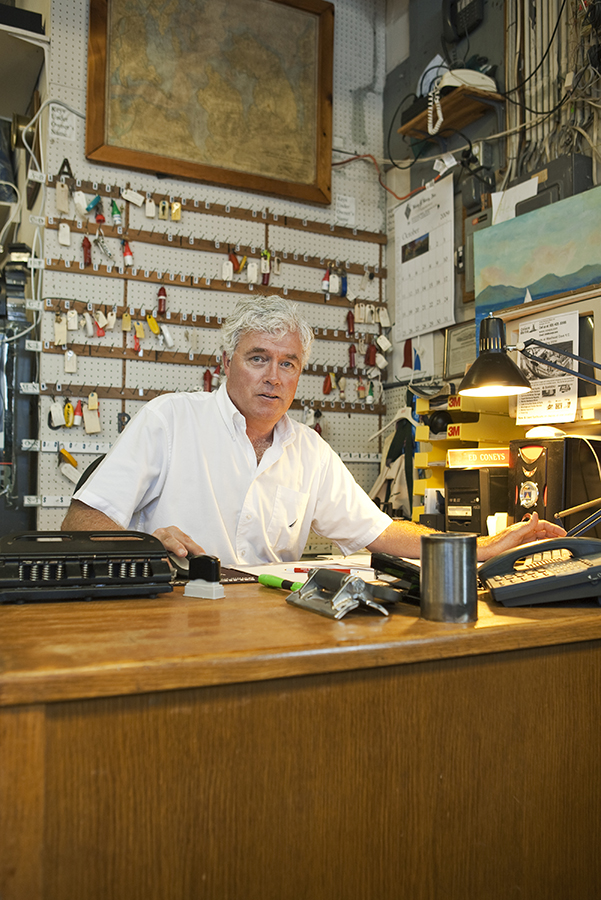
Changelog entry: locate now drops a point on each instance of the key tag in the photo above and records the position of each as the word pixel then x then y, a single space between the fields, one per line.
pixel 153 324
pixel 334 283
pixel 384 317
pixel 64 235
pixel 111 318
pixel 150 208
pixel 167 336
pixel 79 200
pixel 100 318
pixel 139 330
pixel 62 197
pixel 92 400
pixel 383 343
pixel 70 362
pixel 360 312
pixel 91 419
pixel 72 320
pixel 89 324
pixel 252 272
pixel 126 321
pixel 381 361
pixel 176 211
pixel 227 270
pixel 60 330
pixel 56 414
pixel 116 213
pixel 68 413
pixel 163 210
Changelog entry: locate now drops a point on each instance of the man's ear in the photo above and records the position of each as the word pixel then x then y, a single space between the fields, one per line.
pixel 226 362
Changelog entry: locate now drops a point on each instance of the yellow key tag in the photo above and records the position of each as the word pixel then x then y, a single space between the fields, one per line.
pixel 176 211
pixel 126 321
pixel 68 413
pixel 139 330
pixel 163 210
pixel 153 324
pixel 92 400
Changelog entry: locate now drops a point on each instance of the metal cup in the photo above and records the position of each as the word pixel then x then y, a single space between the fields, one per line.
pixel 448 579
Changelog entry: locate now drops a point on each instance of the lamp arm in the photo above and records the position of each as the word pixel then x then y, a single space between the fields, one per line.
pixel 533 342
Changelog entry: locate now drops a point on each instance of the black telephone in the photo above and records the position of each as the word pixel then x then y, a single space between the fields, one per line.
pixel 459 17
pixel 567 568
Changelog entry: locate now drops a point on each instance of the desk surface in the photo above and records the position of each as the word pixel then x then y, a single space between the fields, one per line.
pixel 63 651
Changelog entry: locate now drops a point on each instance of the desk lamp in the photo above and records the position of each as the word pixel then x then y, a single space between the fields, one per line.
pixel 494 374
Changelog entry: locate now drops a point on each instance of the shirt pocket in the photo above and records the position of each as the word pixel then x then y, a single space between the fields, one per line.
pixel 287 519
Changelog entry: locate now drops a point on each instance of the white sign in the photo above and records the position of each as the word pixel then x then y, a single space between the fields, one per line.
pixel 61 124
pixel 554 395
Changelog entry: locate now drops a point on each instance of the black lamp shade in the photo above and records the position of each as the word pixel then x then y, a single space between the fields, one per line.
pixel 493 374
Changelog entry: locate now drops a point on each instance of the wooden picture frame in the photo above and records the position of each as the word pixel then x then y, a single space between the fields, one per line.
pixel 267 99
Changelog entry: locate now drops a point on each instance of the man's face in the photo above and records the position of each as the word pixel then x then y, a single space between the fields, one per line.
pixel 262 376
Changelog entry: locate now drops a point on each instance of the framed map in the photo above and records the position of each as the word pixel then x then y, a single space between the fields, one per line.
pixel 230 92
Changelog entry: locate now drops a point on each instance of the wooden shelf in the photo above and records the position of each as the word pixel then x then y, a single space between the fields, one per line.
pixel 459 108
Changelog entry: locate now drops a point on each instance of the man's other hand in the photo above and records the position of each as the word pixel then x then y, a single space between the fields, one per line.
pixel 531 529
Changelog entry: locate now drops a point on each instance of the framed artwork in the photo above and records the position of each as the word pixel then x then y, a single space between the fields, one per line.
pixel 459 349
pixel 549 253
pixel 231 92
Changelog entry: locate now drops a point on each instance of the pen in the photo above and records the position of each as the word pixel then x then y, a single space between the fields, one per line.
pixel 335 568
pixel 275 582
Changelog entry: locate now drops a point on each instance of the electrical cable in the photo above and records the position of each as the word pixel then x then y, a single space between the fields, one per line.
pixel 344 162
pixel 543 58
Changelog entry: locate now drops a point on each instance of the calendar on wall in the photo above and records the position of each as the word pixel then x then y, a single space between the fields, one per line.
pixel 423 227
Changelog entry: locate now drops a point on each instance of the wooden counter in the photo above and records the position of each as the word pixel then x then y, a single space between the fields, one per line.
pixel 244 748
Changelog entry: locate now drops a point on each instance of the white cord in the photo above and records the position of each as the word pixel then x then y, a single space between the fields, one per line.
pixel 434 102
pixel 13 214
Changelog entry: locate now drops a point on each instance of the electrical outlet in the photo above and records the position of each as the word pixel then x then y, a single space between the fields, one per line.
pixel 483 151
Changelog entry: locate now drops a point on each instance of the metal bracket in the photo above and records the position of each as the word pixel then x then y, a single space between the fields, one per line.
pixel 333 594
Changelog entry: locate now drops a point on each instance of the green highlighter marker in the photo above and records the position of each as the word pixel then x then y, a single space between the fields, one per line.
pixel 275 582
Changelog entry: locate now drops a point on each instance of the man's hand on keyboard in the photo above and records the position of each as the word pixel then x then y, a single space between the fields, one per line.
pixel 532 529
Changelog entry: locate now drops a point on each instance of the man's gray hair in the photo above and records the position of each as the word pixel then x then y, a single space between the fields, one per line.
pixel 272 315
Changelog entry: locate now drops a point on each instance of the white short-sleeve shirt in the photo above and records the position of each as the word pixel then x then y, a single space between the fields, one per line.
pixel 186 460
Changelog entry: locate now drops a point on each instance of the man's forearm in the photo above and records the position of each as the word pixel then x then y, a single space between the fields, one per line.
pixel 82 517
pixel 401 538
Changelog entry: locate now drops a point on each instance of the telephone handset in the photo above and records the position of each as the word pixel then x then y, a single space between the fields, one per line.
pixel 459 17
pixel 566 568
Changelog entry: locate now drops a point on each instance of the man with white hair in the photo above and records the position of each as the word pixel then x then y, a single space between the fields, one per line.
pixel 230 474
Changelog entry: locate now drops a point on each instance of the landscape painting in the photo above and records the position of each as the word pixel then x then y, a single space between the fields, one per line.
pixel 544 254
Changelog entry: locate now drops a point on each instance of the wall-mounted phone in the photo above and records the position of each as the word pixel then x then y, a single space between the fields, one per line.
pixel 459 17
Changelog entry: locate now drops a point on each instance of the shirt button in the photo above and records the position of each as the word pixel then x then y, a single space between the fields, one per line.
pixel 243 553
pixel 248 518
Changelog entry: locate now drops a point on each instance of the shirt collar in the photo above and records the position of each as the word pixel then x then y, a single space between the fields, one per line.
pixel 234 420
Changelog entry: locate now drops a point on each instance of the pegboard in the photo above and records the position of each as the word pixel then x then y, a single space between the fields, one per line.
pixel 187 256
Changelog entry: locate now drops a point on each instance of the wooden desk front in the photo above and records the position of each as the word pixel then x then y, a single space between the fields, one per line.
pixel 242 748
